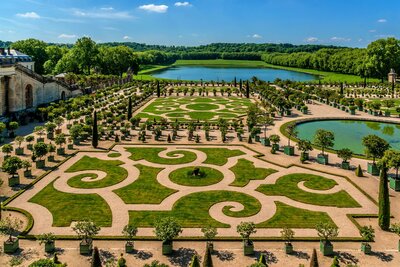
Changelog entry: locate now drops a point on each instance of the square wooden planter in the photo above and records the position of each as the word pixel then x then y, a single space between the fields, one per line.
pixel 345 165
pixel 326 248
pixel 13 180
pixel 289 150
pixel 323 159
pixel 305 155
pixel 366 248
pixel 394 183
pixel 19 151
pixel 70 146
pixel 129 247
pixel 373 169
pixel 288 248
pixel 28 173
pixel 11 246
pixel 85 248
pixel 50 247
pixel 167 248
pixel 265 142
pixel 40 164
pixel 248 248
pixel 275 147
pixel 60 151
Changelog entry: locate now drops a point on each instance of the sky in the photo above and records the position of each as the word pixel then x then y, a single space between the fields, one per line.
pixel 353 23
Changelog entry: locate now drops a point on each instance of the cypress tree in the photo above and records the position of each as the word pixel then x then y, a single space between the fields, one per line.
pixel 234 82
pixel 95 134
pixel 335 262
pixel 96 261
pixel 359 172
pixel 240 85
pixel 130 108
pixel 158 89
pixel 262 259
pixel 384 202
pixel 195 261
pixel 207 258
pixel 247 90
pixel 341 89
pixel 314 259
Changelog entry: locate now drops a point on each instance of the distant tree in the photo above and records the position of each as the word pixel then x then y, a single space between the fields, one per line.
pixel 86 53
pixel 324 139
pixel 34 48
pixel 95 133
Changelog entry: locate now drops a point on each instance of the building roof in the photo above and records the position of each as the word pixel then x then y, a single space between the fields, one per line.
pixel 14 54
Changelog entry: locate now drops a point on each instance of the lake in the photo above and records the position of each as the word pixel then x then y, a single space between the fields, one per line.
pixel 217 74
pixel 349 133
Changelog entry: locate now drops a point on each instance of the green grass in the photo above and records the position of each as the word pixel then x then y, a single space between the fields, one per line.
pixel 287 186
pixel 66 208
pixel 193 210
pixel 150 154
pixel 146 189
pixel 219 156
pixel 245 171
pixel 292 217
pixel 185 177
pixel 202 106
pixel 115 174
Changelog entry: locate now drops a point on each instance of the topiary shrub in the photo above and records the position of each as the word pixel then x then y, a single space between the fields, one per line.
pixel 359 172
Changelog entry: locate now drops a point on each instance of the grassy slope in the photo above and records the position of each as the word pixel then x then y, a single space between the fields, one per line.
pixel 66 207
pixel 326 76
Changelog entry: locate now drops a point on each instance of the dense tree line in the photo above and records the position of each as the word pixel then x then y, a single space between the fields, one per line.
pixel 374 61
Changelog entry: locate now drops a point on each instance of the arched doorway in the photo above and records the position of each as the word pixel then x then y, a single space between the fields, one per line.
pixel 28 96
pixel 62 95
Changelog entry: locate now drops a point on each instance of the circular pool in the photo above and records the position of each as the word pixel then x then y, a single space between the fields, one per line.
pixel 349 133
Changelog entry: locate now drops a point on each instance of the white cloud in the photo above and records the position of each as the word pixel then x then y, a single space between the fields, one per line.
pixel 256 36
pixel 183 4
pixel 67 36
pixel 103 13
pixel 154 8
pixel 107 8
pixel 28 15
pixel 382 20
pixel 340 39
pixel 126 37
pixel 312 39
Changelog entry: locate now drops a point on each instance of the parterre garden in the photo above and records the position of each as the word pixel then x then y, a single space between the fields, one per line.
pixel 217 186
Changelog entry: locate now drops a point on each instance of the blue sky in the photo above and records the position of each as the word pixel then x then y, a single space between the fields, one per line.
pixel 339 22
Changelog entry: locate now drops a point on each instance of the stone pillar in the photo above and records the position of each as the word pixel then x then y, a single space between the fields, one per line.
pixel 392 76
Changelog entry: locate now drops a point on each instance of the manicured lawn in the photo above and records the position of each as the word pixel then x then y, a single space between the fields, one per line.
pixel 287 186
pixel 115 174
pixel 219 156
pixel 66 207
pixel 192 210
pixel 292 217
pixel 184 176
pixel 199 108
pixel 150 154
pixel 146 189
pixel 245 171
pixel 114 155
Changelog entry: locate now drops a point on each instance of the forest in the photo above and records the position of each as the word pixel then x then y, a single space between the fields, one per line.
pixel 86 56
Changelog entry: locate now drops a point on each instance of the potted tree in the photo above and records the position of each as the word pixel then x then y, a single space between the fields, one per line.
pixel 86 230
pixel 345 154
pixel 255 131
pixel 60 140
pixel 368 234
pixel 304 146
pixel 245 229
pixel 266 120
pixel 393 161
pixel 239 133
pixel 50 127
pixel 209 233
pixel 11 166
pixel 48 239
pixel 375 147
pixel 26 165
pixel 58 121
pixel 19 150
pixel 75 132
pixel 29 139
pixel 166 230
pixel 275 139
pixel 7 149
pixel 287 236
pixel 291 132
pixel 324 139
pixel 130 232
pixel 39 130
pixel 51 149
pixel 12 127
pixel 10 227
pixel 40 150
pixel 326 231
pixel 70 144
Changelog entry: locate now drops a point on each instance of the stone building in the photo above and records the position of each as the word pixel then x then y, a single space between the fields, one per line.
pixel 22 89
pixel 392 76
